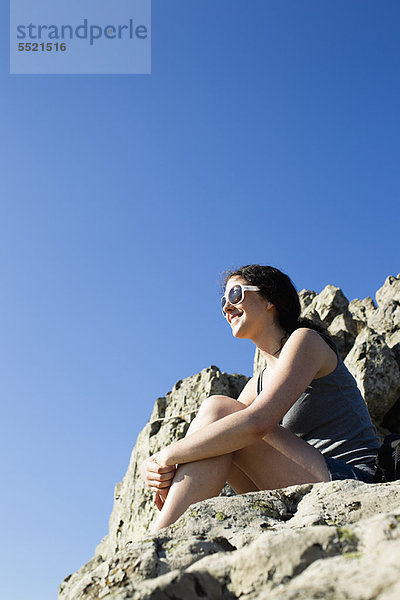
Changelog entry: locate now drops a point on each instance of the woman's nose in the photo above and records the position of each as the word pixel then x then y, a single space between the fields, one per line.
pixel 227 307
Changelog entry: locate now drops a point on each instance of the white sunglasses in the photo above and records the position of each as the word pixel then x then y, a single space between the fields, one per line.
pixel 236 294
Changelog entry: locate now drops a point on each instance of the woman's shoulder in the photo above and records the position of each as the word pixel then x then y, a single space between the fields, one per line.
pixel 316 346
pixel 309 335
pixel 305 335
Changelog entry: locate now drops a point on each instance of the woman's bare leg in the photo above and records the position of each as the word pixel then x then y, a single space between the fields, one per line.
pixel 278 460
pixel 281 459
pixel 204 478
pixel 193 482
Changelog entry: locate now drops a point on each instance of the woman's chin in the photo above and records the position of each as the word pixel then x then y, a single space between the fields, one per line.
pixel 238 332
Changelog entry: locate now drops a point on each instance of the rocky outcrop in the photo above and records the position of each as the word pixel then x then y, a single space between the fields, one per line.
pixel 309 541
pixel 374 366
pixel 303 542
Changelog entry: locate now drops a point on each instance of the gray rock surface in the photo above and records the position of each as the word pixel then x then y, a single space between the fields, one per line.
pixel 393 341
pixel 339 540
pixel 343 330
pixel 309 541
pixel 386 319
pixel 374 366
pixel 362 311
pixel 330 303
pixel 306 297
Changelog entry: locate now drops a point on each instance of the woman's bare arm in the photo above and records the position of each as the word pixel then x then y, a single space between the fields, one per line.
pixel 304 355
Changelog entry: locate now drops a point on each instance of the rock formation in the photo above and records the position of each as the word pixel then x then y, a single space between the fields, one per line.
pixel 333 540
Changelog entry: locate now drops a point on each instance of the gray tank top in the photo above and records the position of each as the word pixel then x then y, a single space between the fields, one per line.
pixel 332 416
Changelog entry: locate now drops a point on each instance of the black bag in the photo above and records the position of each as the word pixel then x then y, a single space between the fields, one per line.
pixel 387 461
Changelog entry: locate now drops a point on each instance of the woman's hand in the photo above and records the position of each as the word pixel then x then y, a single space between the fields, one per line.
pixel 158 478
pixel 160 497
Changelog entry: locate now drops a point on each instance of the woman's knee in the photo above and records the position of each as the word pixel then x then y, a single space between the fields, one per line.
pixel 218 406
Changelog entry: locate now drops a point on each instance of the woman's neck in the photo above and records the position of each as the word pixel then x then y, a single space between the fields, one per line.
pixel 271 341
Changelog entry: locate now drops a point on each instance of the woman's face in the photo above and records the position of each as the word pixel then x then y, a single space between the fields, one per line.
pixel 248 317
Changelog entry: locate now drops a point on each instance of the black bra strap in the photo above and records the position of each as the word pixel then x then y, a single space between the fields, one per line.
pixel 259 382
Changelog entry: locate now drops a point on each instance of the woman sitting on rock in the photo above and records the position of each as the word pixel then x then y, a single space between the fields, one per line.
pixel 302 420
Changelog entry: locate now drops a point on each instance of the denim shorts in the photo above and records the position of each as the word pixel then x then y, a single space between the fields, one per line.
pixel 338 469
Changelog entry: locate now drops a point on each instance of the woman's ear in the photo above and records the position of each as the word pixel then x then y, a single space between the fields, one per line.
pixel 269 305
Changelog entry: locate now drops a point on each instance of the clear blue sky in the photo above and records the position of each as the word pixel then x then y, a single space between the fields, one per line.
pixel 267 132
